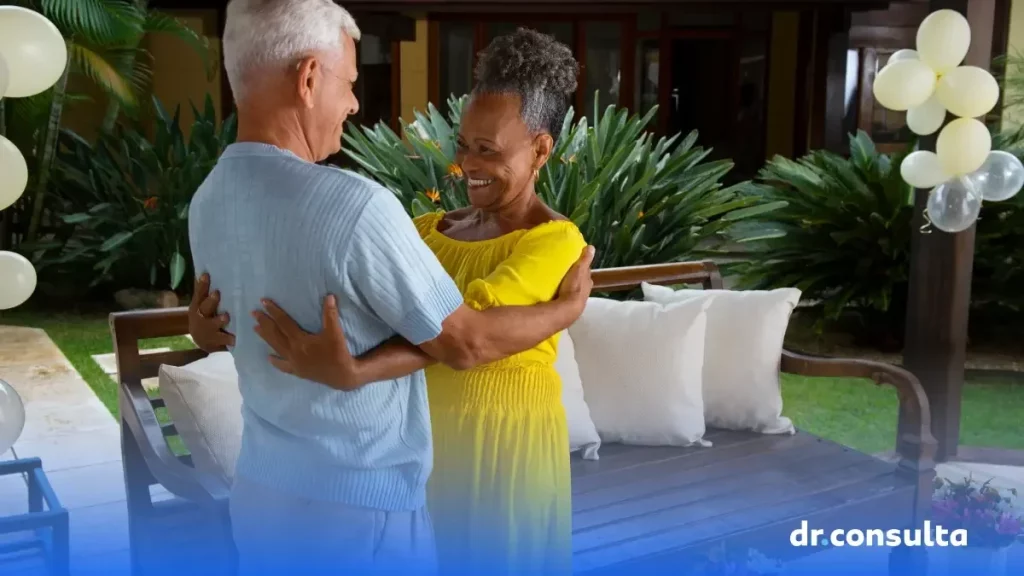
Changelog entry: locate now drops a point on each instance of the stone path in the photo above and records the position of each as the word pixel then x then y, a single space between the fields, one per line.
pixel 77 439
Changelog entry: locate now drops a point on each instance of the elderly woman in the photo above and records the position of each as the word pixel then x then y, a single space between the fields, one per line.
pixel 499 494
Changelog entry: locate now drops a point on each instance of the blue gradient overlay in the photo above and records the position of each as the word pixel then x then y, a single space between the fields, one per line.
pixel 100 549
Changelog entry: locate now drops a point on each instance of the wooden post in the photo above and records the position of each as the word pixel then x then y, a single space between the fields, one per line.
pixel 939 296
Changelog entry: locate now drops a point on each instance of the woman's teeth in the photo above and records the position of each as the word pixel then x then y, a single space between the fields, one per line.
pixel 474 183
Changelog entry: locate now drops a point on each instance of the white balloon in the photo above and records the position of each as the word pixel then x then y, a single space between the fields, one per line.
pixel 943 40
pixel 1000 178
pixel 34 49
pixel 5 76
pixel 17 280
pixel 927 118
pixel 922 169
pixel 903 85
pixel 963 145
pixel 968 91
pixel 13 173
pixel 12 416
pixel 905 54
pixel 954 205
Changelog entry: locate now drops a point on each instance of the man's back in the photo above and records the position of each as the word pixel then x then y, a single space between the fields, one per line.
pixel 266 224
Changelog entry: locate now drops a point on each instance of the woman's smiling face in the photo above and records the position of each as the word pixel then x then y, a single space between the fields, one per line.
pixel 496 150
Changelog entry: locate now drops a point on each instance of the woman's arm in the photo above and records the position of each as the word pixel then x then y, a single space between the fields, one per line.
pixel 324 357
pixel 204 324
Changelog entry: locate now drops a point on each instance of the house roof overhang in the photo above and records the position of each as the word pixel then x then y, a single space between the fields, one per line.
pixel 551 6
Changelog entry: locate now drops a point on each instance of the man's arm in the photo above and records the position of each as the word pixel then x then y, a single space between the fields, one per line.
pixel 471 338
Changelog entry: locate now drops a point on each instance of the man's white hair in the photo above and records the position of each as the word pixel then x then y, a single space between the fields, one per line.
pixel 273 33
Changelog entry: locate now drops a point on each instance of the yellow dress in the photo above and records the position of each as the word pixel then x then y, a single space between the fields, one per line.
pixel 500 490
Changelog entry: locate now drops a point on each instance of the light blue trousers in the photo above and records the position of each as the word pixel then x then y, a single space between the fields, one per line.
pixel 278 533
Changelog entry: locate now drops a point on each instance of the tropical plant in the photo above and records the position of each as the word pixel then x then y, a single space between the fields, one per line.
pixel 637 199
pixel 844 235
pixel 103 40
pixel 124 202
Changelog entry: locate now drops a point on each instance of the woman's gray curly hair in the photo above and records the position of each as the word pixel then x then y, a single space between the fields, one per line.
pixel 537 68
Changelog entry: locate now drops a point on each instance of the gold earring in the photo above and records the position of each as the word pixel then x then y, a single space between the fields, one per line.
pixel 536 174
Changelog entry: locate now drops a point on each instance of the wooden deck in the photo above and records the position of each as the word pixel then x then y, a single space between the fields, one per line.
pixel 666 505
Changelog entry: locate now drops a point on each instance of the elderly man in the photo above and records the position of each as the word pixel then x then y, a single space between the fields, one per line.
pixel 330 478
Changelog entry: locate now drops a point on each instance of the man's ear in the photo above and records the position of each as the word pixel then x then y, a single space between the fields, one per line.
pixel 307 78
pixel 543 145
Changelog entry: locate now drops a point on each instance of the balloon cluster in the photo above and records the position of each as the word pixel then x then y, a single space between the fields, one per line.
pixel 929 82
pixel 33 56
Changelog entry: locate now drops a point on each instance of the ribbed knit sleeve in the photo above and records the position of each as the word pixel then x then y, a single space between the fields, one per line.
pixel 397 274
pixel 534 270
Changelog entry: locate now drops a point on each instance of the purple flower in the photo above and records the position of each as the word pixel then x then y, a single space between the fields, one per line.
pixel 1008 525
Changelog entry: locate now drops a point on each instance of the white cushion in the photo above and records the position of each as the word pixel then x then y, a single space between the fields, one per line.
pixel 745 334
pixel 582 433
pixel 641 364
pixel 206 407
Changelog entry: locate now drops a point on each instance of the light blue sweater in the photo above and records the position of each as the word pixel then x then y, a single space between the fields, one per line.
pixel 267 224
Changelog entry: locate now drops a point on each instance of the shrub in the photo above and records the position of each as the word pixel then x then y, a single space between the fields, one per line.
pixel 124 202
pixel 637 199
pixel 843 237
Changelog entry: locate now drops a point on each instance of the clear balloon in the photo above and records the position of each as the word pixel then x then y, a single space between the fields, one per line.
pixel 13 173
pixel 12 416
pixel 968 91
pixel 903 85
pixel 1000 178
pixel 963 145
pixel 954 205
pixel 927 118
pixel 35 50
pixel 17 280
pixel 922 169
pixel 943 40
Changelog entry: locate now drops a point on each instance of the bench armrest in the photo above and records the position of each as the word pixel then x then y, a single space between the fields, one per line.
pixel 915 444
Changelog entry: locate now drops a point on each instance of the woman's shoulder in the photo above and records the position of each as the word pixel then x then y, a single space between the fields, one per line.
pixel 553 229
pixel 426 223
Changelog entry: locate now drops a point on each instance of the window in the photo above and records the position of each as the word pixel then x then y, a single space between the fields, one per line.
pixel 601 72
pixel 648 66
pixel 455 69
pixel 373 89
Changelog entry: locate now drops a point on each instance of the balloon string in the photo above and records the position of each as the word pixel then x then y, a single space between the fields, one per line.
pixel 926 227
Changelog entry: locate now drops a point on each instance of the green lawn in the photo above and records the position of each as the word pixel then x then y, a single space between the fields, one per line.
pixel 80 336
pixel 853 412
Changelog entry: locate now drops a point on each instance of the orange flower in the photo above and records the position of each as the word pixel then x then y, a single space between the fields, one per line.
pixel 150 203
pixel 434 195
pixel 454 171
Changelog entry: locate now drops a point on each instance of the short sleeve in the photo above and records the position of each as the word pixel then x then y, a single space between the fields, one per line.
pixel 426 223
pixel 397 274
pixel 534 270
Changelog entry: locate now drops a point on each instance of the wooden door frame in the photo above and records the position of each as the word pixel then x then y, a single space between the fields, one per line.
pixel 627 51
pixel 665 36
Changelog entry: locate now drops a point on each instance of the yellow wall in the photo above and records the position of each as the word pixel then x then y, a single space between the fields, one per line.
pixel 177 76
pixel 1015 45
pixel 782 83
pixel 178 72
pixel 414 68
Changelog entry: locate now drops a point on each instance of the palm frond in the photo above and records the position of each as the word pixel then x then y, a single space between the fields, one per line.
pixel 104 22
pixel 105 68
pixel 158 22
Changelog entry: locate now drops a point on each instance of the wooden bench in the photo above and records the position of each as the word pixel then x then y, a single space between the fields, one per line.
pixel 650 509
